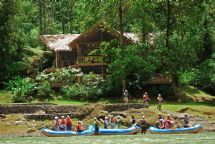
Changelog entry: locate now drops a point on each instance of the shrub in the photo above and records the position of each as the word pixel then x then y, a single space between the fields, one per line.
pixel 44 90
pixel 91 88
pixel 22 89
pixel 62 75
pixel 76 91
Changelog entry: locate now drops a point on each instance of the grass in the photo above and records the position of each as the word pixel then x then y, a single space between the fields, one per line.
pixel 205 137
pixel 200 109
pixel 197 95
pixel 5 97
pixel 67 102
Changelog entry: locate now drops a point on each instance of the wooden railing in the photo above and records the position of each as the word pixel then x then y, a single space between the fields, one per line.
pixel 90 60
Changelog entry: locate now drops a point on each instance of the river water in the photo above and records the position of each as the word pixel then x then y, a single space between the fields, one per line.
pixel 201 138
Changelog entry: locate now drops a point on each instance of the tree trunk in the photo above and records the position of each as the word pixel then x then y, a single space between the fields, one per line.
pixel 168 23
pixel 41 17
pixel 176 86
pixel 63 26
pixel 70 16
pixel 121 25
pixel 121 38
pixel 44 18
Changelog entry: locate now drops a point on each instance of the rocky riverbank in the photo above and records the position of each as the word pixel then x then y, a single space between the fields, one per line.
pixel 27 120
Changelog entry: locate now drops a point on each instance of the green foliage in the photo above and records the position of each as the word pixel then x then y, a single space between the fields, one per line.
pixel 44 91
pixel 22 89
pixel 62 75
pixel 188 77
pixel 92 87
pixel 132 63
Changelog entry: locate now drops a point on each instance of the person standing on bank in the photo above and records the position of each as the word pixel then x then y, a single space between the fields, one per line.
pixel 160 100
pixel 146 98
pixel 126 95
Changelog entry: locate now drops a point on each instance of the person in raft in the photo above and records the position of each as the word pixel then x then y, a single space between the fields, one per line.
pixel 112 122
pixel 126 95
pixel 160 122
pixel 169 122
pixel 160 100
pixel 146 98
pixel 118 122
pixel 79 127
pixel 133 120
pixel 186 121
pixel 106 123
pixel 56 126
pixel 68 123
pixel 96 125
pixel 62 123
pixel 143 124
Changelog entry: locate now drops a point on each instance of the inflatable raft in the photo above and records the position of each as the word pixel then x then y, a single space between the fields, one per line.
pixel 131 130
pixel 195 129
pixel 51 133
pixel 90 131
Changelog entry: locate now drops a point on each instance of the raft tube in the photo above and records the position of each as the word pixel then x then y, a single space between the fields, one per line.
pixel 131 130
pixel 194 129
pixel 90 131
pixel 51 133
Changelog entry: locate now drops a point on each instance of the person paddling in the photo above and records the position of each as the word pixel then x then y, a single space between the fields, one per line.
pixel 168 123
pixel 68 123
pixel 96 125
pixel 112 122
pixel 106 123
pixel 143 125
pixel 133 120
pixel 62 123
pixel 56 123
pixel 119 122
pixel 186 121
pixel 79 127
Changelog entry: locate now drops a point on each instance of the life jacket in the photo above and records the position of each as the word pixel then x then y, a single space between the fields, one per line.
pixel 56 123
pixel 79 127
pixel 62 121
pixel 68 121
pixel 113 120
pixel 133 121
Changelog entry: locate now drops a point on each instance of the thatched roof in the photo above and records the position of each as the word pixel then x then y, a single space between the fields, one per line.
pixel 59 42
pixel 102 26
pixel 65 42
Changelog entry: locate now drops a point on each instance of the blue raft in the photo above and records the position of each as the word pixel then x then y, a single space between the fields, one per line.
pixel 51 133
pixel 132 130
pixel 90 131
pixel 195 129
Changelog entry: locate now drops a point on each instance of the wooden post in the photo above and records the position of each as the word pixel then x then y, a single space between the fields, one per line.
pixel 78 49
pixel 58 64
pixel 56 59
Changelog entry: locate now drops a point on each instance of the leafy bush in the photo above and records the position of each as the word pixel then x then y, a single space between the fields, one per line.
pixel 81 92
pixel 63 75
pixel 22 89
pixel 91 88
pixel 44 90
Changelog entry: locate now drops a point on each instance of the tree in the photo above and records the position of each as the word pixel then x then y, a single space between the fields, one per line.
pixel 8 47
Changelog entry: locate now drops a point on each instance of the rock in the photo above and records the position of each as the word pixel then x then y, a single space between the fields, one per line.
pixel 2 116
pixel 122 114
pixel 19 122
pixel 30 130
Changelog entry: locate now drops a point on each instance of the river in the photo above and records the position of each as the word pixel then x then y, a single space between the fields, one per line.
pixel 201 138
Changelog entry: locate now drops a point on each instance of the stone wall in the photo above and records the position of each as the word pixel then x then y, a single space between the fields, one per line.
pixel 53 109
pixel 28 109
